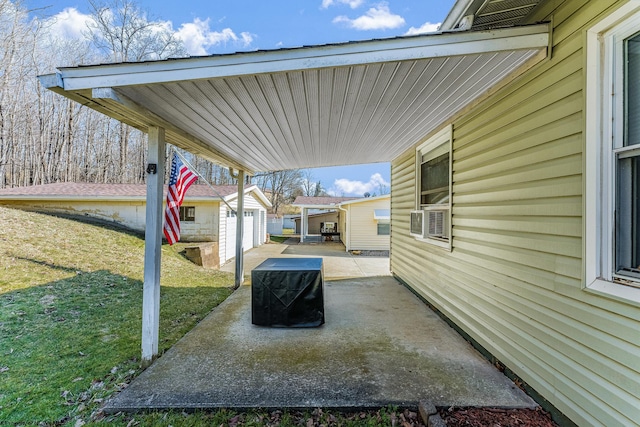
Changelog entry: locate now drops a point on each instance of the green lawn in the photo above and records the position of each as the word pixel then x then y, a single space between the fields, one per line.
pixel 70 310
pixel 70 318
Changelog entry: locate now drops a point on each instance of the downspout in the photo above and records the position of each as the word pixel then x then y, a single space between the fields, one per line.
pixel 346 226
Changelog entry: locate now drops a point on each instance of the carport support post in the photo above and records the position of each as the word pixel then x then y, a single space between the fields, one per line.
pixel 152 246
pixel 303 224
pixel 240 232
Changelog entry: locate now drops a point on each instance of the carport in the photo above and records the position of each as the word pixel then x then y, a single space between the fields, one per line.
pixel 328 105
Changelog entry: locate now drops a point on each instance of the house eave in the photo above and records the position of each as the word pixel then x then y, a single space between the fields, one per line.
pixel 270 110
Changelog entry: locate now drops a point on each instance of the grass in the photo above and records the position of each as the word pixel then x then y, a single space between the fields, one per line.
pixel 278 239
pixel 70 313
pixel 70 318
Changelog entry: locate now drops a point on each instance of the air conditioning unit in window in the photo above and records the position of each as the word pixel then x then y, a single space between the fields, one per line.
pixel 437 223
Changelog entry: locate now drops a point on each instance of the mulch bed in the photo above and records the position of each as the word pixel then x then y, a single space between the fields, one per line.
pixel 453 417
pixel 493 417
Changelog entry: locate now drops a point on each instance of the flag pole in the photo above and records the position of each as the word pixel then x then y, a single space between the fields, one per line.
pixel 186 162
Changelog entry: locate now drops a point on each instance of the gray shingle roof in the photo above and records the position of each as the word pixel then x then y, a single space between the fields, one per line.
pixel 79 190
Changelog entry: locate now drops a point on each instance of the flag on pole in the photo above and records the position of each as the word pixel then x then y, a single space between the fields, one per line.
pixel 180 180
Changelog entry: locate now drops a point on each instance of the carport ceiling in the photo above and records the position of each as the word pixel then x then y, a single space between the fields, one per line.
pixel 330 105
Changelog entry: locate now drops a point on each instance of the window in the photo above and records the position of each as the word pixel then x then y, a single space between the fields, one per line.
pixel 384 228
pixel 187 213
pixel 612 233
pixel 433 187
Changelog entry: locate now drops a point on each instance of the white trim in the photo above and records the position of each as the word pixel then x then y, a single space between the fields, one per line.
pixel 600 137
pixel 533 37
pixel 253 188
pixel 365 199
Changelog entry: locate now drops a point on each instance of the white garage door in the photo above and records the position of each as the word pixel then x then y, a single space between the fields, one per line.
pixel 231 233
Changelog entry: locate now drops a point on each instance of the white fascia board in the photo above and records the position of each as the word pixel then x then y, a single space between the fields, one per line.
pixel 257 192
pixel 251 189
pixel 366 199
pixel 434 45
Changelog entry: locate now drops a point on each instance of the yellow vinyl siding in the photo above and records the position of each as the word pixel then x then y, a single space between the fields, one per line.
pixel 513 280
pixel 363 229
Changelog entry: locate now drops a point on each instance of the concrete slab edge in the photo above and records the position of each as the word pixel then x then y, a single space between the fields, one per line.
pixel 556 414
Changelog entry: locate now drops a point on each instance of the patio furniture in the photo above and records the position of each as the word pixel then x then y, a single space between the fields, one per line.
pixel 288 292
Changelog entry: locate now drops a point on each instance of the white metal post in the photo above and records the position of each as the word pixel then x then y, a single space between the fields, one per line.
pixel 153 246
pixel 240 231
pixel 304 224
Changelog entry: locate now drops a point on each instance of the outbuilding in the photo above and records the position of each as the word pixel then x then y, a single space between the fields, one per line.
pixel 206 215
pixel 360 223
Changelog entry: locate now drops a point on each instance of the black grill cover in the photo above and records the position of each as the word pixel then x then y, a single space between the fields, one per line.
pixel 287 292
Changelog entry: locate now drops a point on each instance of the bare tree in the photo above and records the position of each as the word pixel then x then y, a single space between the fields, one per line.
pixel 280 185
pixel 122 32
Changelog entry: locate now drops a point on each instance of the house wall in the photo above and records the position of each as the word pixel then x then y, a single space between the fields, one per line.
pixel 130 214
pixel 363 229
pixel 513 279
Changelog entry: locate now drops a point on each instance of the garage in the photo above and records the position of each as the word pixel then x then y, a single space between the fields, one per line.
pixel 247 240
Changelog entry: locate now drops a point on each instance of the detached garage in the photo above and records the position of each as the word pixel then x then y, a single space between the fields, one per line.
pixel 205 215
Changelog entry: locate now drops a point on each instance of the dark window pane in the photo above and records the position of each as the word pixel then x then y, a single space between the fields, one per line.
pixel 187 213
pixel 632 91
pixel 627 211
pixel 384 229
pixel 434 177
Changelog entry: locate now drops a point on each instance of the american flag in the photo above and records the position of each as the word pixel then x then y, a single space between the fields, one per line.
pixel 179 182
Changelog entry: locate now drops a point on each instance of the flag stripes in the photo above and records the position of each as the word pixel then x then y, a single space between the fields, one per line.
pixel 180 180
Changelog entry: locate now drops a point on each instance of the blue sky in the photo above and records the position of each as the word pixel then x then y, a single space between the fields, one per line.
pixel 214 26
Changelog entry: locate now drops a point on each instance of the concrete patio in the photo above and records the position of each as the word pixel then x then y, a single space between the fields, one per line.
pixel 380 345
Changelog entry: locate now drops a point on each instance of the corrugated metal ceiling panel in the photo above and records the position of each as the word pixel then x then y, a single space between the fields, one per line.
pixel 333 116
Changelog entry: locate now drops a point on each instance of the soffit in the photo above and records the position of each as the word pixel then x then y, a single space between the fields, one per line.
pixel 309 107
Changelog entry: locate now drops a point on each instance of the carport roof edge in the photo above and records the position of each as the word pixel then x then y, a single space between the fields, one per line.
pixel 328 105
pixel 431 45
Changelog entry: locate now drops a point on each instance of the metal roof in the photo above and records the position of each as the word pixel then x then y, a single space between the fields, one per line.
pixel 360 102
pixel 488 14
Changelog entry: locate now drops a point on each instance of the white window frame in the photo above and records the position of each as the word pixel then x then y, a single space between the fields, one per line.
pixel 604 86
pixel 444 136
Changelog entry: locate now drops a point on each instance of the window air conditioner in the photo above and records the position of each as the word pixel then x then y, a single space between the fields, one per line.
pixel 437 224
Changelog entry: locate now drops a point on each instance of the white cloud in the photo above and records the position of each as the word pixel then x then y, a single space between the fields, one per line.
pixel 358 188
pixel 198 37
pixel 68 24
pixel 353 4
pixel 427 27
pixel 376 18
